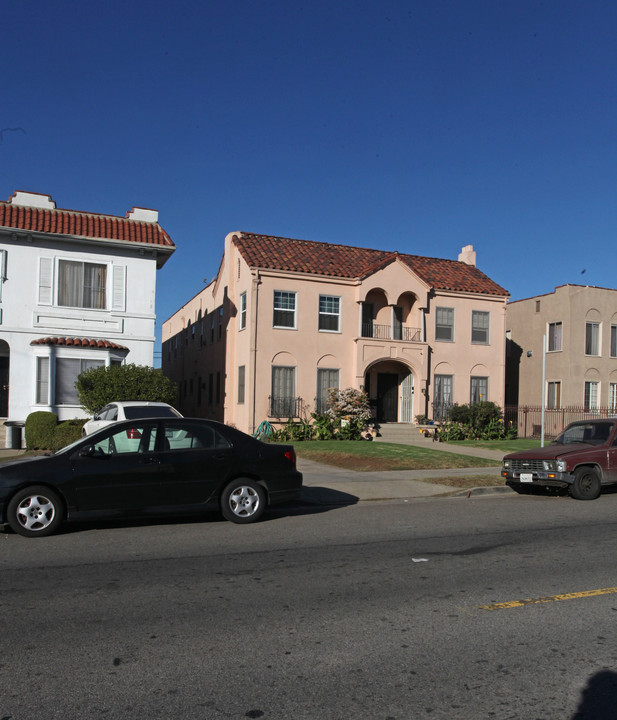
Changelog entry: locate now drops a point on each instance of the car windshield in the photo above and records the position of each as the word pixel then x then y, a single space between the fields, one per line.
pixel 138 412
pixel 591 433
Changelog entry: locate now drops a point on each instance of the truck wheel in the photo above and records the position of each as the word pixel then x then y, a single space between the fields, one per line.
pixel 586 485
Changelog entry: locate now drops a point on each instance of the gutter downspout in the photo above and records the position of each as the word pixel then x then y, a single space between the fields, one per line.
pixel 253 349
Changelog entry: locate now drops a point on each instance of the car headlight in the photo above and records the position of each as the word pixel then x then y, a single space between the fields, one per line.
pixel 507 464
pixel 561 465
pixel 549 465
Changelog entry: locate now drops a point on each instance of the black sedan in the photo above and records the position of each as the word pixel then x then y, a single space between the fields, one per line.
pixel 152 467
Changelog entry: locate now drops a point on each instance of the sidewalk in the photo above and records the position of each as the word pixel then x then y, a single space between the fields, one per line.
pixel 326 484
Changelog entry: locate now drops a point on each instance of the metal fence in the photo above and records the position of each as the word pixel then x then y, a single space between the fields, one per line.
pixel 528 419
pixel 284 407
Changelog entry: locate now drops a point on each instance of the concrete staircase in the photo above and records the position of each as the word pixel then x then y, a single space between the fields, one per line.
pixel 405 433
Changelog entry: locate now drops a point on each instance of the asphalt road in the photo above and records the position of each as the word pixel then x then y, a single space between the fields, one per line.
pixel 376 610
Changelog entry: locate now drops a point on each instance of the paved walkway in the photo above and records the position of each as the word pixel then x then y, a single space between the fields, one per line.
pixel 329 485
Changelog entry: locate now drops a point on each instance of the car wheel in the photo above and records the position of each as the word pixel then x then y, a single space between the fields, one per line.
pixel 586 485
pixel 35 512
pixel 243 501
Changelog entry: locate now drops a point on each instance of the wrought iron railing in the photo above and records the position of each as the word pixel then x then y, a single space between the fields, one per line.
pixel 284 407
pixel 387 332
pixel 528 419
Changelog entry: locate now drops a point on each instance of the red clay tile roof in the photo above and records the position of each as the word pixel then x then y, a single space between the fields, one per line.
pixel 344 261
pixel 80 342
pixel 82 224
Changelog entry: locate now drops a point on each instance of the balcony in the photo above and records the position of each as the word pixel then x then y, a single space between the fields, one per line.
pixel 387 332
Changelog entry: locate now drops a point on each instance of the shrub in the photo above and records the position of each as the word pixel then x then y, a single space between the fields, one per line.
pixel 350 404
pixel 39 430
pixel 65 433
pixel 102 385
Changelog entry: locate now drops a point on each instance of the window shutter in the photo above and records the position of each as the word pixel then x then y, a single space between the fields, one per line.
pixel 46 277
pixel 119 288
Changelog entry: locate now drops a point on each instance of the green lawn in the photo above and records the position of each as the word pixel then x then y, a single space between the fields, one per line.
pixel 367 456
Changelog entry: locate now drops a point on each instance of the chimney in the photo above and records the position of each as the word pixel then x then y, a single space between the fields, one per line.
pixel 30 199
pixel 143 215
pixel 467 255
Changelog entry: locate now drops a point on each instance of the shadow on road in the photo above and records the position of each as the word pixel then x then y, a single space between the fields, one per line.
pixel 599 699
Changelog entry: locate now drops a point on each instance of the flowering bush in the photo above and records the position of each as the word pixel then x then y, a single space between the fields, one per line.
pixel 349 404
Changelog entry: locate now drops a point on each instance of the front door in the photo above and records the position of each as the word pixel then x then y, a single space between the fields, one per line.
pixel 387 397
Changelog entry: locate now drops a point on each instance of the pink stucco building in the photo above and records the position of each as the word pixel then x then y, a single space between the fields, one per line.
pixel 284 320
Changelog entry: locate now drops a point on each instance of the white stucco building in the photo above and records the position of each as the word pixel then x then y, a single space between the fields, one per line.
pixel 77 290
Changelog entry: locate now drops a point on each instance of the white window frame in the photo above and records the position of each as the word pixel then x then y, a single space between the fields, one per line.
pixel 243 310
pixel 553 394
pixel 592 339
pixel 49 283
pixel 612 396
pixel 591 400
pixel 327 314
pixel 480 328
pixel 285 295
pixel 449 312
pixel 554 336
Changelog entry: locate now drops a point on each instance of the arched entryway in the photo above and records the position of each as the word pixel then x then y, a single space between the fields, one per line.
pixel 390 387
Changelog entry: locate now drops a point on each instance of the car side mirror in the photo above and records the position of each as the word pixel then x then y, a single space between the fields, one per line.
pixel 87 451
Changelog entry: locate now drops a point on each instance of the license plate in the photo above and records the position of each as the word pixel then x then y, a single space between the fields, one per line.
pixel 526 477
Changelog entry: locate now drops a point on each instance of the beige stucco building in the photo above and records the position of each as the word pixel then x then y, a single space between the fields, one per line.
pixel 284 320
pixel 580 326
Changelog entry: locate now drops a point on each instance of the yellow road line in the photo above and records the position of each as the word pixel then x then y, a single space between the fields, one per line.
pixel 549 598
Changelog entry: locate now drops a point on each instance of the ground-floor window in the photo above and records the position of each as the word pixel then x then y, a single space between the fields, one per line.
pixel 442 397
pixel 326 379
pixel 591 395
pixel 553 395
pixel 67 371
pixel 283 394
pixel 612 396
pixel 479 390
pixel 241 383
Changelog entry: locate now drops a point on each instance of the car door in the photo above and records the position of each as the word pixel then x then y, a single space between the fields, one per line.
pixel 199 458
pixel 120 470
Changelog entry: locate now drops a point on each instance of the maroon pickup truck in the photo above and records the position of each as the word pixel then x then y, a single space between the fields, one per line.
pixel 581 459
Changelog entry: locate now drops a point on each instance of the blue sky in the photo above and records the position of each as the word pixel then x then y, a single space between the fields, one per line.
pixel 411 126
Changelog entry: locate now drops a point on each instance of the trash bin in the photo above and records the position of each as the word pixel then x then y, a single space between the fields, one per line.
pixel 14 434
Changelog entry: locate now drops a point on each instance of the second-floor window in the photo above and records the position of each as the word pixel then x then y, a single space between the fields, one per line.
pixel 479 327
pixel 284 309
pixel 242 311
pixel 82 284
pixel 554 336
pixel 592 338
pixel 444 323
pixel 329 313
pixel 613 340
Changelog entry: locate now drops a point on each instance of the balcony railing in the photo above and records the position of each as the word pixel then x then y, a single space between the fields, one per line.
pixel 387 332
pixel 284 407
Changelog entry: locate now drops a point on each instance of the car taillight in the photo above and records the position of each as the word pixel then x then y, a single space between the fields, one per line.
pixel 291 455
pixel 133 434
